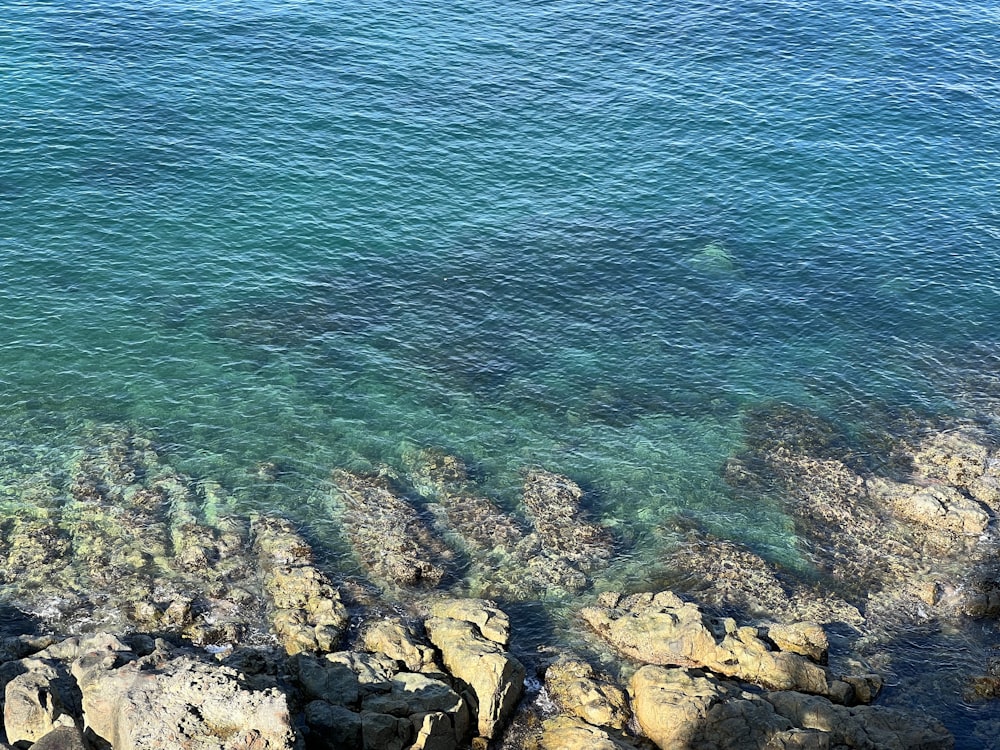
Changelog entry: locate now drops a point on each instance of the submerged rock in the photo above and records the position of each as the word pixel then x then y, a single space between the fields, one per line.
pixel 306 611
pixel 904 552
pixel 121 540
pixel 730 576
pixel 553 502
pixel 388 534
pixel 554 551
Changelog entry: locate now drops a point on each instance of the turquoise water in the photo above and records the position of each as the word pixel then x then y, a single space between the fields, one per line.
pixel 583 235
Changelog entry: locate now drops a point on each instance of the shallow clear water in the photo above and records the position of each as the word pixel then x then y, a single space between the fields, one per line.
pixel 587 236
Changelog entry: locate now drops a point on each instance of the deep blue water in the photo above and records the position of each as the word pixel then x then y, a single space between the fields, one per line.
pixel 583 235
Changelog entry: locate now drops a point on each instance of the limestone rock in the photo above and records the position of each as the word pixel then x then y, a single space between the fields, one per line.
pixel 491 621
pixel 393 638
pixel 388 534
pixel 577 689
pixel 495 677
pixel 323 679
pixel 385 732
pixel 307 614
pixel 663 629
pixel 173 700
pixel 678 710
pixel 957 457
pixel 567 733
pixel 332 727
pixel 65 737
pixel 869 727
pixel 805 638
pixel 936 507
pixel 416 696
pixel 32 705
pixel 434 732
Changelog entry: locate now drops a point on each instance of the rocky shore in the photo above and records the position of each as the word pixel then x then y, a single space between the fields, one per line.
pixel 141 609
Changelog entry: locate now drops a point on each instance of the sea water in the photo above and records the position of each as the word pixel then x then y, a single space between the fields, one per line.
pixel 583 235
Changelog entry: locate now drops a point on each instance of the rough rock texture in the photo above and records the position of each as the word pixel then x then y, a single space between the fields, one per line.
pixel 472 637
pixel 66 737
pixel 554 550
pixel 387 533
pixel 578 690
pixel 115 539
pixel 868 727
pixel 553 503
pixel 475 518
pixel 358 700
pixel 678 709
pixel 663 629
pixel 805 638
pixel 176 701
pixel 727 575
pixel 906 548
pixel 395 639
pixel 306 611
pixel 566 733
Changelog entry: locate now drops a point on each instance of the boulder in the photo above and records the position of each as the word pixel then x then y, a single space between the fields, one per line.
pixel 677 709
pixel 663 629
pixel 32 705
pixel 332 727
pixel 471 636
pixel 568 733
pixel 395 639
pixel 578 690
pixel 170 700
pixel 64 737
pixel 805 638
pixel 937 507
pixel 415 696
pixel 865 727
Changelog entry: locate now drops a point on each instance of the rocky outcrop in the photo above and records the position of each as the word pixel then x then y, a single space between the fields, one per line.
pixel 907 547
pixel 472 637
pixel 169 700
pixel 306 611
pixel 388 535
pixel 679 709
pixel 567 733
pixel 395 639
pixel 357 700
pixel 663 629
pixel 578 690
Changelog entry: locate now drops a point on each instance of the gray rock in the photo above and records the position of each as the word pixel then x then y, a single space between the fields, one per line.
pixel 332 727
pixel 61 738
pixel 173 701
